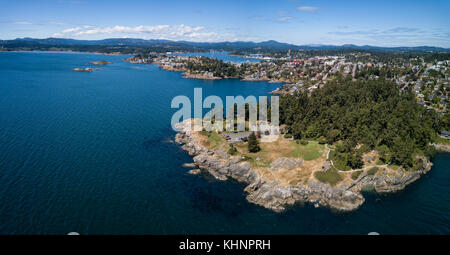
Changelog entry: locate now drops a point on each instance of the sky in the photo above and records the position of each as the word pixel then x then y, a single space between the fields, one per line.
pixel 301 22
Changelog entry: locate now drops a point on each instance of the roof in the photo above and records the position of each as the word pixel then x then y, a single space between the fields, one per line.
pixel 445 132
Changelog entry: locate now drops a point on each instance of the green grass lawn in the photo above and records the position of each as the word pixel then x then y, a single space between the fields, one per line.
pixel 311 151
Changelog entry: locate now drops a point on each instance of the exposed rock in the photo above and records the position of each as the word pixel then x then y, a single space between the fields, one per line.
pixel 442 147
pixel 285 163
pixel 87 69
pixel 326 165
pixel 189 165
pixel 101 62
pixel 194 171
pixel 368 158
pixel 276 197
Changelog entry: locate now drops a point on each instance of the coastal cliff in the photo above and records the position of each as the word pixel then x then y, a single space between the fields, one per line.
pixel 275 194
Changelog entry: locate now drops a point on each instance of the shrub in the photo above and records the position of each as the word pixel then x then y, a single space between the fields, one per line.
pixel 373 170
pixel 330 176
pixel 364 148
pixel 232 151
pixel 418 164
pixel 356 174
pixel 304 142
pixel 288 136
pixel 322 140
pixel 332 135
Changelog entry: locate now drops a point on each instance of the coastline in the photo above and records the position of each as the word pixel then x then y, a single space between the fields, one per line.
pixel 441 147
pixel 68 51
pixel 276 195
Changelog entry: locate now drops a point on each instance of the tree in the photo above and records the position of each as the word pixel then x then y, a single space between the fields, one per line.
pixel 371 113
pixel 253 144
pixel 332 136
pixel 232 151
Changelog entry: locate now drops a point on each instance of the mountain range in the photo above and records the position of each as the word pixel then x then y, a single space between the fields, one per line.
pixel 227 46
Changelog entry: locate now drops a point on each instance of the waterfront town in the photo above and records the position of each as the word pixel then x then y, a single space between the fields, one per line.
pixel 427 75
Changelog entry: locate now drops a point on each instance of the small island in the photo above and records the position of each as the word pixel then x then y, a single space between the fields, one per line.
pixel 86 69
pixel 101 62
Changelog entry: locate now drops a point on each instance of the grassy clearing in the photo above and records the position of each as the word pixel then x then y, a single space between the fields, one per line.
pixel 282 148
pixel 269 151
pixel 331 176
pixel 213 139
pixel 394 167
pixel 311 151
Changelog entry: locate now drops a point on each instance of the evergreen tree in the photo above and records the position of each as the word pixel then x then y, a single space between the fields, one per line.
pixel 253 144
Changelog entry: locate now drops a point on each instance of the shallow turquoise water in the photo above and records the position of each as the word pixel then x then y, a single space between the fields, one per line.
pixel 92 153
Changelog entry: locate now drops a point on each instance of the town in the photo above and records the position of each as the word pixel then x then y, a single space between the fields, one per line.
pixel 426 74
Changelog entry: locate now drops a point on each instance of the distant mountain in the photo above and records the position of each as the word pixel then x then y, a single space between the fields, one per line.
pixel 186 45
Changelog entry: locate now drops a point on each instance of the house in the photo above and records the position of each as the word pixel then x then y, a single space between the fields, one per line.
pixel 445 134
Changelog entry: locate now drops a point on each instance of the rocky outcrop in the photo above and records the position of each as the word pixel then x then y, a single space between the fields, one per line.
pixel 101 62
pixel 277 197
pixel 442 147
pixel 386 184
pixel 285 163
pixel 87 69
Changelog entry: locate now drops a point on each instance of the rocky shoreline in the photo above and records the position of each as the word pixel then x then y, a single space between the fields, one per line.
pixel 441 147
pixel 272 195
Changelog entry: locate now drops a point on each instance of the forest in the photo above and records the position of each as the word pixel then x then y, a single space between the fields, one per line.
pixel 359 116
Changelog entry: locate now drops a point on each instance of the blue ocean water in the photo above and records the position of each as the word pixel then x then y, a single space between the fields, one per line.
pixel 94 153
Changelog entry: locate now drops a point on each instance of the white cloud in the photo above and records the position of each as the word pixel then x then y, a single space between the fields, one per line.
pixel 170 32
pixel 307 8
pixel 283 19
pixel 22 23
pixel 71 30
pixel 56 23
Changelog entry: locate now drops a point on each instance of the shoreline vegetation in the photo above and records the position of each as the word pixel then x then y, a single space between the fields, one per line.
pixel 294 172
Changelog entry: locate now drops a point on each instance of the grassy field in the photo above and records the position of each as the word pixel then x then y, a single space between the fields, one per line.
pixel 311 151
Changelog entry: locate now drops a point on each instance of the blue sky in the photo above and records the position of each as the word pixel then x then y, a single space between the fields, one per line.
pixel 366 22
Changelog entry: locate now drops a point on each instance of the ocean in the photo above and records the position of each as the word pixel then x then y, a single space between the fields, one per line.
pixel 93 153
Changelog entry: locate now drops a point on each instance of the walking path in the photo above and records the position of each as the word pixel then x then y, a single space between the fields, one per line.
pixel 349 171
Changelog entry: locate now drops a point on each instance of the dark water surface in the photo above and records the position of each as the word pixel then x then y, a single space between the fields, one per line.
pixel 93 153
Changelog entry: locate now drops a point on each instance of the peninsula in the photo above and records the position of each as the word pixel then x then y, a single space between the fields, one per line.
pixel 334 144
pixel 284 172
